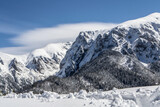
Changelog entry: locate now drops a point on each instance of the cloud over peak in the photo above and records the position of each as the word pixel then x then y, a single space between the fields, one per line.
pixel 40 37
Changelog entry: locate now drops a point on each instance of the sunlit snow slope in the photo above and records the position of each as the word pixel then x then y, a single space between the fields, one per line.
pixel 22 70
pixel 139 38
pixel 131 97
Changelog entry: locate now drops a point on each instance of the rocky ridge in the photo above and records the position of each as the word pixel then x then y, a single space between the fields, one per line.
pixel 140 38
pixel 19 71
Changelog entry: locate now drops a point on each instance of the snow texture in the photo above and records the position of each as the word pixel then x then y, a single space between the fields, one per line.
pixel 131 97
pixel 19 71
pixel 140 38
pixel 106 71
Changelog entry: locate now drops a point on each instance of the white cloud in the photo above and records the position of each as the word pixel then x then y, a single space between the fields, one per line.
pixel 39 37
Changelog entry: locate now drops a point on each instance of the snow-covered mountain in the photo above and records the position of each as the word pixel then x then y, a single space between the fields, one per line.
pixel 124 56
pixel 19 71
pixel 139 38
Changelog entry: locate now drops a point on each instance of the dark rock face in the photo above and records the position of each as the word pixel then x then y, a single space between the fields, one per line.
pixel 40 64
pixel 104 73
pixel 17 69
pixel 17 72
pixel 84 41
pixel 15 65
pixel 21 76
pixel 1 61
pixel 141 40
pixel 155 68
pixel 125 56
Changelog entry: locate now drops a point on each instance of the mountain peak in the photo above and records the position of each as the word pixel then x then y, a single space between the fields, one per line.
pixel 151 18
pixel 155 14
pixel 139 37
pixel 21 70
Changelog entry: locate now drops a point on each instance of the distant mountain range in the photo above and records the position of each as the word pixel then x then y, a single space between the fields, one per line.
pixel 21 70
pixel 127 55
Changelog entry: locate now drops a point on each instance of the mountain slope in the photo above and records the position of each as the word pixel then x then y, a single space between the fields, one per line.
pixel 140 38
pixel 124 56
pixel 19 71
pixel 102 73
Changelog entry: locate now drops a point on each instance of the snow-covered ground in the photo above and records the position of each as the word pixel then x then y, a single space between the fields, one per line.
pixel 130 97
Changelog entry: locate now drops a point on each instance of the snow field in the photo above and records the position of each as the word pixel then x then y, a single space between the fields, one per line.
pixel 130 97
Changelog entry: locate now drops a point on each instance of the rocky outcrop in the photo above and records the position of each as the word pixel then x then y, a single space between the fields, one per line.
pixel 127 55
pixel 140 38
pixel 124 56
pixel 17 72
pixel 105 72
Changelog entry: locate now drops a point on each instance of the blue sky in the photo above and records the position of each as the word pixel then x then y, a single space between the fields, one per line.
pixel 20 16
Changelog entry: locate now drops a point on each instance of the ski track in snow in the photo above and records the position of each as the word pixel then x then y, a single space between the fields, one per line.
pixel 130 97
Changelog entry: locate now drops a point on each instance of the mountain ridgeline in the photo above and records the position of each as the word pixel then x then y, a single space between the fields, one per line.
pixel 19 71
pixel 127 55
pixel 124 56
pixel 139 38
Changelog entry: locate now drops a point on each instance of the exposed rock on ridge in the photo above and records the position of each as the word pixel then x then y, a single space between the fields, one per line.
pixel 19 71
pixel 140 38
